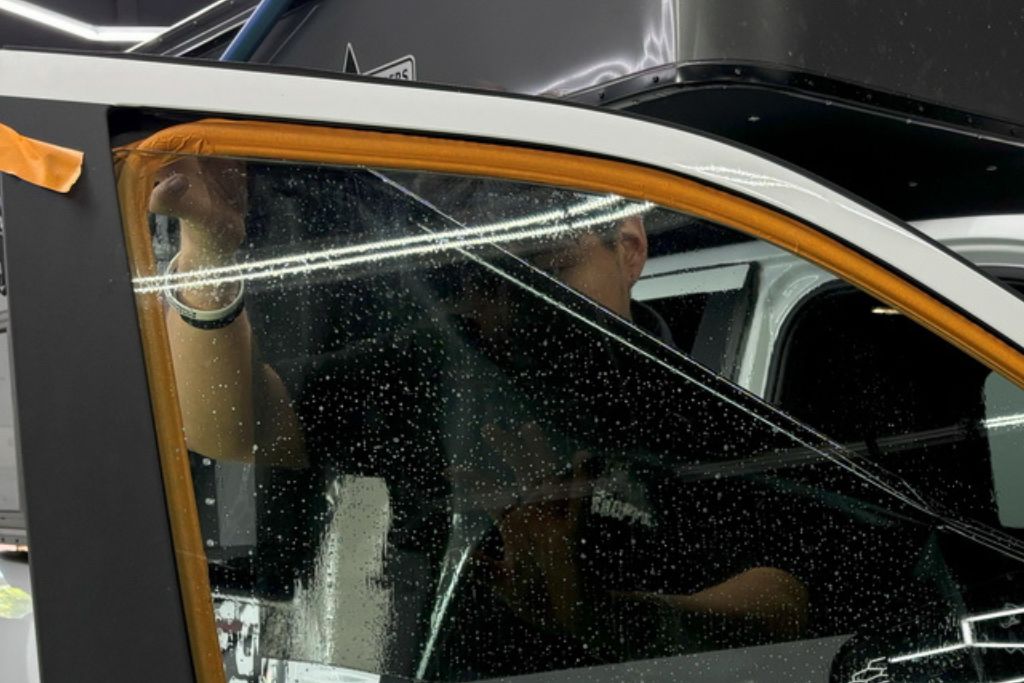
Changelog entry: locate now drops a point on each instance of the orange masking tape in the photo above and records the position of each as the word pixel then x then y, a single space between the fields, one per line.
pixel 37 162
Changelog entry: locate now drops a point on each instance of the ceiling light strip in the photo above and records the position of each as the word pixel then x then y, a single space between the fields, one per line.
pixel 80 29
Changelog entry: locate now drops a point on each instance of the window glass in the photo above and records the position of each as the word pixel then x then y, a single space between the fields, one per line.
pixel 864 374
pixel 436 434
pixel 903 398
pixel 879 383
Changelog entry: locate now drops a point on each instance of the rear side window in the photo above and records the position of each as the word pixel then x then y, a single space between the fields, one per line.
pixel 886 388
pixel 900 397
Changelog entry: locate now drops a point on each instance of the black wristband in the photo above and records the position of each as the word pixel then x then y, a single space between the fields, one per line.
pixel 214 324
pixel 200 319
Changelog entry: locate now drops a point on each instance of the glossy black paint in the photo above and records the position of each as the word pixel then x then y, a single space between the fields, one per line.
pixel 894 119
pixel 915 160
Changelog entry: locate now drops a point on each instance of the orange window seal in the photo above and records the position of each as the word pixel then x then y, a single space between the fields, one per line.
pixel 295 142
pixel 37 162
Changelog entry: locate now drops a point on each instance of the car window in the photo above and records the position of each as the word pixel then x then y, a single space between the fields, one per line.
pixel 432 435
pixel 903 398
pixel 889 390
pixel 879 383
pixel 885 387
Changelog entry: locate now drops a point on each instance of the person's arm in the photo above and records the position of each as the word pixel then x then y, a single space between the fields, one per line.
pixel 539 575
pixel 232 407
pixel 772 599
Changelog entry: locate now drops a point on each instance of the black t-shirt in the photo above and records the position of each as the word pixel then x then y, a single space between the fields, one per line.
pixel 410 409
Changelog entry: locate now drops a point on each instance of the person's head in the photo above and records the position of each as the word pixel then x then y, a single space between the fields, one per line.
pixel 602 262
pixel 603 265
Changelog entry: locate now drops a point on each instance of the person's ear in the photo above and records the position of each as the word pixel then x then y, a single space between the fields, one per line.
pixel 633 246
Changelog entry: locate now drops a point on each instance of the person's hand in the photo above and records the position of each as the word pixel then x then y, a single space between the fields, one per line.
pixel 537 573
pixel 208 196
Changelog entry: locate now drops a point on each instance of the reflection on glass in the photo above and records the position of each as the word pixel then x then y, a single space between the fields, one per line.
pixel 435 435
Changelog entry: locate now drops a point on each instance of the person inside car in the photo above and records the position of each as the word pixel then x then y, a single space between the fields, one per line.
pixel 556 490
